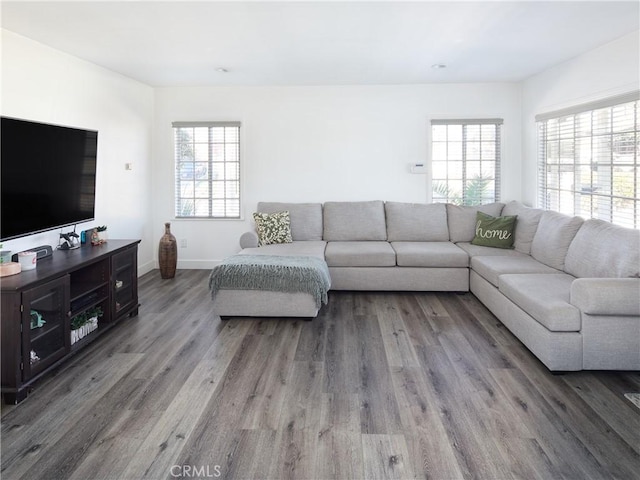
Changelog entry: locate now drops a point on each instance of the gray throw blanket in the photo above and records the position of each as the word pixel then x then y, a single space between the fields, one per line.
pixel 272 273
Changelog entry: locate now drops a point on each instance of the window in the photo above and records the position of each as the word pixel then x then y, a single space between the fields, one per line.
pixel 588 161
pixel 465 161
pixel 207 160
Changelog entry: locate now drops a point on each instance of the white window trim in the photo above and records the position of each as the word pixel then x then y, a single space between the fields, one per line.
pixel 241 160
pixel 466 120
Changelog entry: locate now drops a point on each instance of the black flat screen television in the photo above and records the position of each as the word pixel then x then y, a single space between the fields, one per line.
pixel 47 177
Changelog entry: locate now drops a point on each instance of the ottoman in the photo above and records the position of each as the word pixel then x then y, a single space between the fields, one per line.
pixel 269 286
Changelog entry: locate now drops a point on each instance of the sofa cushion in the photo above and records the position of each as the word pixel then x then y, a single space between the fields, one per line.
pixel 553 237
pixel 346 221
pixel 490 268
pixel 273 227
pixel 545 297
pixel 416 222
pixel 607 296
pixel 497 232
pixel 360 254
pixel 601 249
pixel 526 226
pixel 480 251
pixel 306 218
pixel 429 254
pixel 309 248
pixel 462 220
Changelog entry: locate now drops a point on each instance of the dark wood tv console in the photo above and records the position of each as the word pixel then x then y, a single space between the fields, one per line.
pixel 38 306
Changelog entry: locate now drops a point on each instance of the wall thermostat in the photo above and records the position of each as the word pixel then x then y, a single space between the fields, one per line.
pixel 418 168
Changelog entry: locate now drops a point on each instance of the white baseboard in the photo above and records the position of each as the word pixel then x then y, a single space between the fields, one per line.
pixel 146 268
pixel 197 264
pixel 182 265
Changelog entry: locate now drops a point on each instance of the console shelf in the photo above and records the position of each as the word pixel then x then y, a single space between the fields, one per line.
pixel 47 298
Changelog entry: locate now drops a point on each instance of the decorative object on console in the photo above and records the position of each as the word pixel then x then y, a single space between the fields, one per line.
pixel 69 241
pixel 33 357
pixel 36 320
pixel 273 228
pixel 84 323
pixel 99 235
pixel 493 231
pixel 5 255
pixel 85 235
pixel 7 267
pixel 10 268
pixel 102 233
pixel 27 260
pixel 95 239
pixel 167 253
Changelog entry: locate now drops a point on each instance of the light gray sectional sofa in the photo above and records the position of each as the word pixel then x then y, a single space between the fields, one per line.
pixel 569 289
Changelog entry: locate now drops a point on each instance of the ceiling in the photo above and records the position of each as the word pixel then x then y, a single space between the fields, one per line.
pixel 179 43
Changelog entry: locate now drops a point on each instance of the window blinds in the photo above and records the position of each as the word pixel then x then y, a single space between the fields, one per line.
pixel 207 169
pixel 588 161
pixel 465 160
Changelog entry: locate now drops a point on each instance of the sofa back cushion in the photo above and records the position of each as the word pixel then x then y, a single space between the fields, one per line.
pixel 416 222
pixel 553 237
pixel 462 220
pixel 526 225
pixel 306 218
pixel 345 221
pixel 601 249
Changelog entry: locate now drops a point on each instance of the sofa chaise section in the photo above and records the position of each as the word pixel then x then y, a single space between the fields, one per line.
pixel 306 233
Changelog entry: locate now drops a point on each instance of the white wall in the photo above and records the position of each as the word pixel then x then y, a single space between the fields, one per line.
pixel 321 143
pixel 609 70
pixel 46 85
pixel 298 143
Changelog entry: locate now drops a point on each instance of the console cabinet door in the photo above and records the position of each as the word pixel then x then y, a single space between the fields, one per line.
pixel 45 326
pixel 124 282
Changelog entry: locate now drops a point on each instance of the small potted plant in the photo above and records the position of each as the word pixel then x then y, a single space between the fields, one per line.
pixel 102 233
pixel 84 323
pixel 5 255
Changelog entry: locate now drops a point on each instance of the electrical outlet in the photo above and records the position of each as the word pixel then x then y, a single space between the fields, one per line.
pixel 183 243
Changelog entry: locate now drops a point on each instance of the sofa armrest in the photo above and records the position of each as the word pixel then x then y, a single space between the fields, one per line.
pixel 249 240
pixel 606 296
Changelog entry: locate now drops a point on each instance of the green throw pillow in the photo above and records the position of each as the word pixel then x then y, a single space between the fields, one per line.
pixel 273 228
pixel 496 232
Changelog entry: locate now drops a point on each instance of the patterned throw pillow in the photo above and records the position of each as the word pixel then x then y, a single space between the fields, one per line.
pixel 495 232
pixel 273 228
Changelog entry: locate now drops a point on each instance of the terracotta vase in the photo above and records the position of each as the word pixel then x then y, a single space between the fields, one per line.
pixel 168 253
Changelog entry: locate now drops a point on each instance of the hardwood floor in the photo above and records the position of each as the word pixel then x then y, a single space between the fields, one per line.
pixel 380 385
